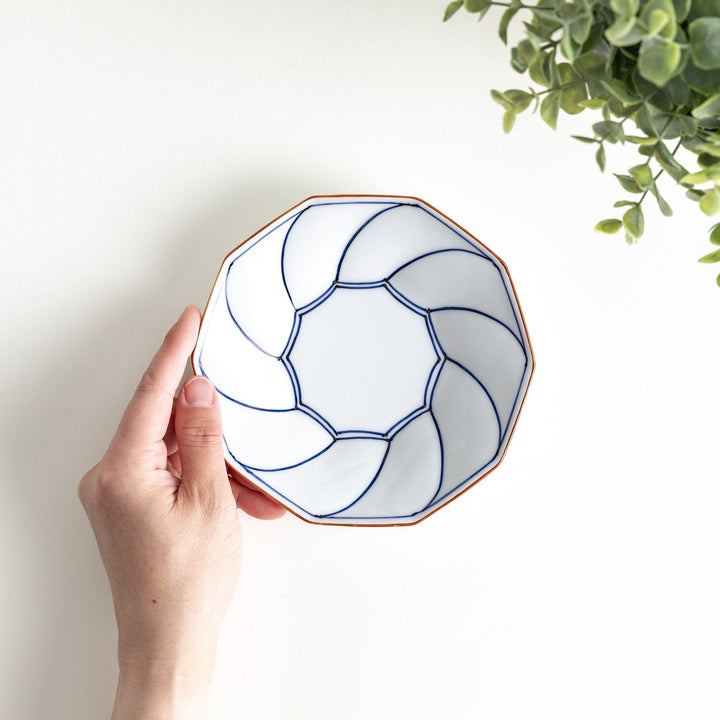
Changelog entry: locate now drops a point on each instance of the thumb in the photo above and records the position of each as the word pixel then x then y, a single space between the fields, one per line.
pixel 198 428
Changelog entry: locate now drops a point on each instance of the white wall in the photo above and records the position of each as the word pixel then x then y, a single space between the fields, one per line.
pixel 139 143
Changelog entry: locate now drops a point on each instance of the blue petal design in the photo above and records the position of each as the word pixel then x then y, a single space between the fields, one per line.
pixel 408 478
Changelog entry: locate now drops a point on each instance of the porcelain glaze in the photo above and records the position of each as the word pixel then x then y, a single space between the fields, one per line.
pixel 370 357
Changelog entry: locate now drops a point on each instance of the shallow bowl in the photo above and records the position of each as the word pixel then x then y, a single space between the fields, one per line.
pixel 370 357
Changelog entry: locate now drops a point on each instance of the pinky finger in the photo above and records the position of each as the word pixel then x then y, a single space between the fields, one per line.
pixel 255 503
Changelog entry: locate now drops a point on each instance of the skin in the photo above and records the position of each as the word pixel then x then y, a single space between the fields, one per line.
pixel 164 511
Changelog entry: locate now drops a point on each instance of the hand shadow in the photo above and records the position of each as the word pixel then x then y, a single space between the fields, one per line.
pixel 62 639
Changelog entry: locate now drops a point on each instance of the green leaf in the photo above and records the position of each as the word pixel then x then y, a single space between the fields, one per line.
pixel 639 140
pixel 501 99
pixel 634 222
pixel 625 8
pixel 658 60
pixel 509 120
pixel 624 203
pixel 624 32
pixel 652 11
pixel 571 96
pixel 695 178
pixel 536 69
pixel 665 209
pixel 705 42
pixel 668 163
pixel 585 139
pixel 600 157
pixel 618 90
pixel 705 160
pixel 710 202
pixel 519 98
pixel 712 257
pixel 451 9
pixel 704 8
pixel 568 47
pixel 679 89
pixel 657 20
pixel 581 27
pixel 715 234
pixel 710 149
pixel 694 195
pixel 609 130
pixel 687 126
pixel 507 16
pixel 590 65
pixel 609 226
pixel 592 103
pixel 550 68
pixel 643 176
pixel 702 81
pixel 708 109
pixel 550 107
pixel 517 62
pixel 628 183
pixel 476 6
pixel 682 8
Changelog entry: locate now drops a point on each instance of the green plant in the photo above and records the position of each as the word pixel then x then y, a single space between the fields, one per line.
pixel 654 62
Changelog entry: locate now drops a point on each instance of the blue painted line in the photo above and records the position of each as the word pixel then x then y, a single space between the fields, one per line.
pixel 246 470
pixel 512 307
pixel 409 304
pixel 293 379
pixel 234 400
pixel 262 237
pixel 305 309
pixel 438 252
pixel 239 327
pixel 293 335
pixel 282 254
pixel 315 415
pixel 442 463
pixel 295 465
pixel 474 476
pixel 358 231
pixel 472 243
pixel 439 350
pixel 432 381
pixel 517 396
pixel 485 390
pixel 484 314
pixel 360 434
pixel 401 424
pixel 364 492
pixel 360 285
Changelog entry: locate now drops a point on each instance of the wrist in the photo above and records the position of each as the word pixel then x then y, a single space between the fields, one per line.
pixel 163 687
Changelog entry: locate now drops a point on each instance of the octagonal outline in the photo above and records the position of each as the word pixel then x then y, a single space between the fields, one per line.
pixel 431 377
pixel 474 478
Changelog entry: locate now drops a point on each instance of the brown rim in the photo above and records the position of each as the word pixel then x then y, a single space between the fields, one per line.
pixel 522 319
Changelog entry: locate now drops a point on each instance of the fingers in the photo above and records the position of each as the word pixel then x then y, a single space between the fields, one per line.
pixel 255 503
pixel 198 430
pixel 146 418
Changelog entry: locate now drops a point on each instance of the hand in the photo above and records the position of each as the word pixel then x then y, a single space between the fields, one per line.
pixel 163 509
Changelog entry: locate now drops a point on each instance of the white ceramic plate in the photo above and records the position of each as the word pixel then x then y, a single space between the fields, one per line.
pixel 370 356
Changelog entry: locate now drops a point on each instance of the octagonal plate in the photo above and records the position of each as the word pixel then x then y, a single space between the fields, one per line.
pixel 370 357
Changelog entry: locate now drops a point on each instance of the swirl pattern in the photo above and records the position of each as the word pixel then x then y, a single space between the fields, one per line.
pixel 370 358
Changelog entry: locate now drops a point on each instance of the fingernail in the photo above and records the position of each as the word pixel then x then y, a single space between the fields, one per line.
pixel 199 392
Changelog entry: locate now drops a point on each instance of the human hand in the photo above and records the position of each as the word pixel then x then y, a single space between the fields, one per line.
pixel 163 509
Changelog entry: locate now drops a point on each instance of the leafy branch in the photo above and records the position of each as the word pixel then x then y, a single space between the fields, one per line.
pixel 655 63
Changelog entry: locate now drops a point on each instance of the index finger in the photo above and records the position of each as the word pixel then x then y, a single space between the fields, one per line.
pixel 146 417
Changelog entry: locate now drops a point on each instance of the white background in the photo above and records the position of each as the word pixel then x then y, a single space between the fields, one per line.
pixel 140 141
